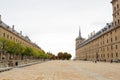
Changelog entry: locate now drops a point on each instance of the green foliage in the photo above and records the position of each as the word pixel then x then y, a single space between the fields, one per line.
pixel 64 55
pixel 28 51
pixel 61 55
pixel 18 49
pixel 6 45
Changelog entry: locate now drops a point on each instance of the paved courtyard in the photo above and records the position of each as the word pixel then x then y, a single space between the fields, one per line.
pixel 65 70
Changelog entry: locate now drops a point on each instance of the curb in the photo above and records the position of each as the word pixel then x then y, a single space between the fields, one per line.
pixel 19 66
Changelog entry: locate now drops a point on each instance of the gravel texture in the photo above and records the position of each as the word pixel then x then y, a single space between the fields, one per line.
pixel 65 70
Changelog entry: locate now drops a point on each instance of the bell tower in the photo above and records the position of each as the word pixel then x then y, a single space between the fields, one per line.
pixel 79 39
pixel 116 12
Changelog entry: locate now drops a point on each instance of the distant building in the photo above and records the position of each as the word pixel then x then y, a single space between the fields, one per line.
pixel 103 45
pixel 11 34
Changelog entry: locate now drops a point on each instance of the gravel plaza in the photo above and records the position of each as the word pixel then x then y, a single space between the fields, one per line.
pixel 65 70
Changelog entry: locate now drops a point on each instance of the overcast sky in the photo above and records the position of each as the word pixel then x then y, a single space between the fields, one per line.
pixel 54 24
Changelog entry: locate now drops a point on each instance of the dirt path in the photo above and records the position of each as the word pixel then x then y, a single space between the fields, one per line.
pixel 65 70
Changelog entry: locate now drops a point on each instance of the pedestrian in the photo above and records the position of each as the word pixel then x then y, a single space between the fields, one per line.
pixel 16 63
pixel 111 61
pixel 95 61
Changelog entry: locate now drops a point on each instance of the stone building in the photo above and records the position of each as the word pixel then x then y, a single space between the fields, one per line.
pixel 11 34
pixel 103 45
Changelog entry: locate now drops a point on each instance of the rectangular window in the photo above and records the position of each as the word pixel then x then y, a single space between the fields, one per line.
pixel 107 48
pixel 11 37
pixel 115 23
pixel 7 36
pixel 108 55
pixel 116 46
pixel 116 54
pixel 118 13
pixel 115 8
pixel 117 5
pixel 115 38
pixel 111 39
pixel 111 47
pixel 118 21
pixel 3 34
pixel 112 55
pixel 104 55
pixel 14 39
pixel 115 15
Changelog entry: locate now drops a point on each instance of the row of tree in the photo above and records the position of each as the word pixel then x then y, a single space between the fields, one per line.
pixel 60 56
pixel 64 56
pixel 17 49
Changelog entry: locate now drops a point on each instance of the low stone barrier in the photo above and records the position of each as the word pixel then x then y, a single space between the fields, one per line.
pixel 5 69
pixel 19 66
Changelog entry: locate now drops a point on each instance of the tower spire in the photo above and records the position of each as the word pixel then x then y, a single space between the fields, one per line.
pixel 79 33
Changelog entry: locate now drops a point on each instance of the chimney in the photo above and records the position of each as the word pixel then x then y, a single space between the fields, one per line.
pixel 20 32
pixel 12 27
pixel 0 17
pixel 88 36
pixel 93 32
